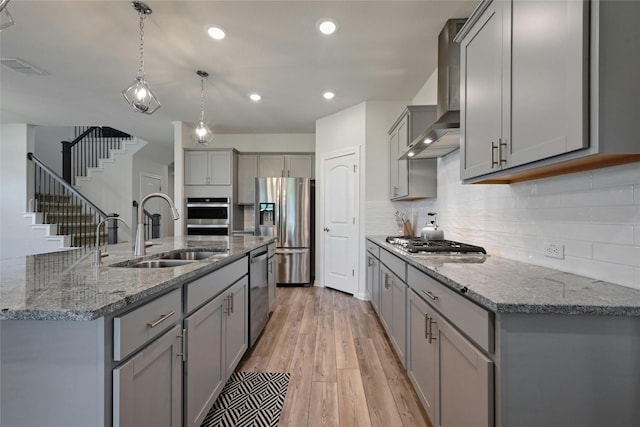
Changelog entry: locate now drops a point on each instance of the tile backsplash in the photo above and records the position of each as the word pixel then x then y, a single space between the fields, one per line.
pixel 595 215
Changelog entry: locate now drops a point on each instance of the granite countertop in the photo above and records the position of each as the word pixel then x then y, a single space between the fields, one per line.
pixel 65 285
pixel 506 286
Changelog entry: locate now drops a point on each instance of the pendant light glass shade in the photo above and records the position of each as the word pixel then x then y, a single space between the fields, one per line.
pixel 6 20
pixel 202 134
pixel 138 94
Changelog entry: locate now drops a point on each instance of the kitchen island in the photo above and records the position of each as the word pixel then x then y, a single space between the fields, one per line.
pixel 489 341
pixel 114 344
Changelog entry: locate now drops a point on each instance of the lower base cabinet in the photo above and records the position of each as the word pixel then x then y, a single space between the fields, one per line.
pixel 216 338
pixel 373 281
pixel 422 353
pixel 148 388
pixel 465 386
pixel 452 378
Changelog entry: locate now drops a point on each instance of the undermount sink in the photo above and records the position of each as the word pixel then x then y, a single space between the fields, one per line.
pixel 190 255
pixel 160 263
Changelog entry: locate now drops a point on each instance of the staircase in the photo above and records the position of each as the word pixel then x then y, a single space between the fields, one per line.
pixel 70 218
pixel 58 206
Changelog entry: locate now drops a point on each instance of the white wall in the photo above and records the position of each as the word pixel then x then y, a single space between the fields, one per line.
pixel 48 147
pixel 337 132
pixel 16 140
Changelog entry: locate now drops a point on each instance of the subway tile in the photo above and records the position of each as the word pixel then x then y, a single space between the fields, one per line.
pixel 618 196
pixel 617 215
pixel 617 254
pixel 636 278
pixel 613 273
pixel 628 174
pixel 636 235
pixel 571 183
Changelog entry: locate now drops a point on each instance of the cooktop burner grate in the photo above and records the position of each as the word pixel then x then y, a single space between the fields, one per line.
pixel 418 244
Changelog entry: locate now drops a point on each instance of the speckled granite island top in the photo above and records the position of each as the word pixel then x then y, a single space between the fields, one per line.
pixel 65 285
pixel 506 286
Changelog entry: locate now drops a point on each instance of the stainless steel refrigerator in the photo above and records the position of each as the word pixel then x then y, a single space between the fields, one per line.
pixel 283 210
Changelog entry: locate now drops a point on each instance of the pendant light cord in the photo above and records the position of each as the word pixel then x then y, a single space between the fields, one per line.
pixel 141 69
pixel 202 99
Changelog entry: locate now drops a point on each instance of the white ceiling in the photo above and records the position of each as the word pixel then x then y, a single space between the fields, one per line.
pixel 383 50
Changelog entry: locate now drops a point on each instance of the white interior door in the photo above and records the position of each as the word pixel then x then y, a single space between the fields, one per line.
pixel 340 229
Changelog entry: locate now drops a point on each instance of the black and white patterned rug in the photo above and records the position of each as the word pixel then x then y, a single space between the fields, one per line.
pixel 249 399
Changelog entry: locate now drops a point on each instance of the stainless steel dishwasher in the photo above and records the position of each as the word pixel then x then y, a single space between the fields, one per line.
pixel 258 293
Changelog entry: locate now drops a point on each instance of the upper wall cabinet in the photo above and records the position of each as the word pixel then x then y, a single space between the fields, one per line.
pixel 411 179
pixel 208 167
pixel 529 71
pixel 251 166
pixel 247 172
pixel 287 165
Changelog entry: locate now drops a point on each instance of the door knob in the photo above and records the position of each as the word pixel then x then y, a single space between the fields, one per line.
pixel 326 229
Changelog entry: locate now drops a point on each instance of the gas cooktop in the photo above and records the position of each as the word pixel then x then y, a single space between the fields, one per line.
pixel 418 244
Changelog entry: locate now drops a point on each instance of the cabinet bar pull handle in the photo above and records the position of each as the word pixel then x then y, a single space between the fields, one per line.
pixel 500 145
pixel 426 326
pixel 227 310
pixel 429 294
pixel 431 337
pixel 232 303
pixel 183 345
pixel 160 320
pixel 493 159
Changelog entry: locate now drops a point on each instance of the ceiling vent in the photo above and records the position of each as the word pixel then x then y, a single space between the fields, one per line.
pixel 22 66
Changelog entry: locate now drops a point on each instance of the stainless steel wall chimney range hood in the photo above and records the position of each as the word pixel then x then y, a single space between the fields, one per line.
pixel 443 136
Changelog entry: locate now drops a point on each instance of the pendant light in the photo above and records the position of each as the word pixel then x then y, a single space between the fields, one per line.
pixel 202 134
pixel 138 94
pixel 6 20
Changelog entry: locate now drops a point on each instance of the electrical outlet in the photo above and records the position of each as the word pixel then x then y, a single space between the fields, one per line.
pixel 554 250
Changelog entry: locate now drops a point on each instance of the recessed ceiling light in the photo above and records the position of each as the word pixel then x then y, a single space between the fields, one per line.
pixel 428 140
pixel 327 26
pixel 216 32
pixel 328 95
pixel 255 97
pixel 411 154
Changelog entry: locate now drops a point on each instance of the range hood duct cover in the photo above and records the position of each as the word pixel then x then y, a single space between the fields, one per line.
pixel 444 133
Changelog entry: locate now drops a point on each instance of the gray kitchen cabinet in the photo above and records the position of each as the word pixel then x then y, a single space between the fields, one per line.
pixel 216 337
pixel 247 173
pixel 393 301
pixel 465 379
pixel 287 165
pixel 208 167
pixel 147 389
pixel 422 353
pixel 538 103
pixel 411 179
pixel 236 325
pixel 205 365
pixel 399 322
pixel 373 278
pixel 484 122
pixel 386 298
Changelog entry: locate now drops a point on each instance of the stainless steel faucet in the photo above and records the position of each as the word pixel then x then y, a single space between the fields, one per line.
pixel 97 261
pixel 139 249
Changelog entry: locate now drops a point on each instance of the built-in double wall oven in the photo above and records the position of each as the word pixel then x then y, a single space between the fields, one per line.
pixel 208 216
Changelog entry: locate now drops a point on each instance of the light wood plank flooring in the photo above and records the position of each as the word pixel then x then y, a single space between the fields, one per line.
pixel 343 369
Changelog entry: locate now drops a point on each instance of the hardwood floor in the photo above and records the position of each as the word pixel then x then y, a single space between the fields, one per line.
pixel 343 369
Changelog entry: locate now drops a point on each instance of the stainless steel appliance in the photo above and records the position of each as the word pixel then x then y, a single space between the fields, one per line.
pixel 208 216
pixel 283 210
pixel 258 293
pixel 440 247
